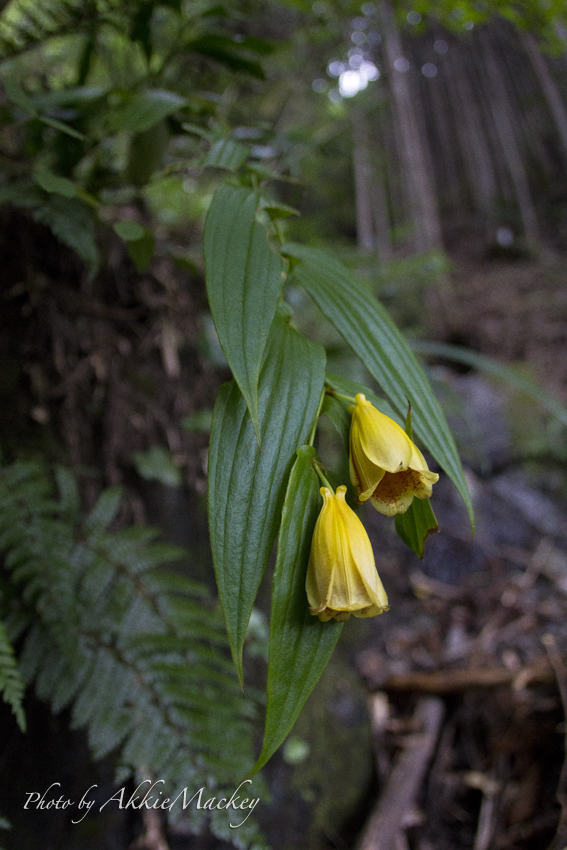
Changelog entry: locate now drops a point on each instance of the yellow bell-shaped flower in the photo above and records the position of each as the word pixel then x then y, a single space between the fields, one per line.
pixel 385 465
pixel 341 575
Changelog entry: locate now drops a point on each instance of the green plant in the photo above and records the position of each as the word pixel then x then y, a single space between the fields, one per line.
pixel 139 651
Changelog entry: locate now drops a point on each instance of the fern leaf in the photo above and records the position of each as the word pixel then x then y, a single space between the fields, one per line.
pixel 104 511
pixel 140 652
pixel 69 499
pixel 11 683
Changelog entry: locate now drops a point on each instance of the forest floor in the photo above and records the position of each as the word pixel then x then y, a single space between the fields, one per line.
pixel 466 674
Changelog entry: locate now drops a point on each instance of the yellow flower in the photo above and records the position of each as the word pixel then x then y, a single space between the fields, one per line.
pixel 341 575
pixel 385 465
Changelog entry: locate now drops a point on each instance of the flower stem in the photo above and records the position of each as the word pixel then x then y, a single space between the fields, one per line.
pixel 317 466
pixel 317 415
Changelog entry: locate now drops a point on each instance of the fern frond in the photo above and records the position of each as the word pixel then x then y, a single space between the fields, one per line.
pixel 140 652
pixel 11 683
pixel 25 24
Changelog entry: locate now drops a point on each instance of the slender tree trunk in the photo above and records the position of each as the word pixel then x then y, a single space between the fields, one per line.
pixel 362 183
pixel 445 162
pixel 503 119
pixel 381 214
pixel 392 166
pixel 549 87
pixel 477 157
pixel 483 91
pixel 419 182
pixel 529 108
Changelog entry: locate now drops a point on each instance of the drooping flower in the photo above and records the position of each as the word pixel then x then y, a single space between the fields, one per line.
pixel 385 465
pixel 341 575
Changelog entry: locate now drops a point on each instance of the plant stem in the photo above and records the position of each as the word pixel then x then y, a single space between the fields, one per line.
pixel 317 415
pixel 319 470
pixel 346 397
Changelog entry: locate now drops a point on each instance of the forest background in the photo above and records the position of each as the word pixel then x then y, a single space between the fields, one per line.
pixel 424 145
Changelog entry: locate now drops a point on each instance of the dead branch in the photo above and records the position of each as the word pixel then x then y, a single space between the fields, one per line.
pixel 454 681
pixel 405 779
pixel 560 672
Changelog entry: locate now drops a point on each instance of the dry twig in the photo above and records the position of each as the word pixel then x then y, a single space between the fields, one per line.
pixel 556 661
pixel 454 681
pixel 405 780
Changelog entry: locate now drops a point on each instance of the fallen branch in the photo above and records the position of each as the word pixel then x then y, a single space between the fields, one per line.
pixel 560 673
pixel 452 681
pixel 398 797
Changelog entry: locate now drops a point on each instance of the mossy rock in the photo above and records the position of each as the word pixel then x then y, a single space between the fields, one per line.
pixel 327 764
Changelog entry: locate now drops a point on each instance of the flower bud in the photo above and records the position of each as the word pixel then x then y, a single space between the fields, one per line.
pixel 341 575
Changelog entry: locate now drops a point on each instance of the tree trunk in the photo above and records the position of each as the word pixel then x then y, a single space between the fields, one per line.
pixel 532 117
pixel 445 165
pixel 420 189
pixel 472 139
pixel 381 214
pixel 362 183
pixel 504 123
pixel 549 87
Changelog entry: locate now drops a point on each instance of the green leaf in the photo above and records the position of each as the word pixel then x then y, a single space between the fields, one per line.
pixel 227 154
pixel 157 465
pixel 141 251
pixel 104 511
pixel 145 109
pixel 129 231
pixel 59 125
pixel 226 51
pixel 277 210
pixel 300 645
pixel 200 420
pixel 493 367
pixel 257 45
pixel 368 329
pixel 139 242
pixel 350 388
pixel 11 684
pixel 416 524
pixel 68 491
pixel 246 485
pixel 244 281
pixel 71 221
pixel 18 96
pixel 52 183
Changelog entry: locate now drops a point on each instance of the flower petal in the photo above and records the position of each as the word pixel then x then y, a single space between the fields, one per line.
pixel 363 560
pixel 322 559
pixel 418 462
pixel 364 475
pixel 378 438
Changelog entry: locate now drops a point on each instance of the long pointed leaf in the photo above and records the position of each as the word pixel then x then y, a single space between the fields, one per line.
pixel 244 281
pixel 246 485
pixel 300 645
pixel 366 326
pixel 500 370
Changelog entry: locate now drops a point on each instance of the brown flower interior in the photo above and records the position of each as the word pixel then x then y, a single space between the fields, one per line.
pixel 397 489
